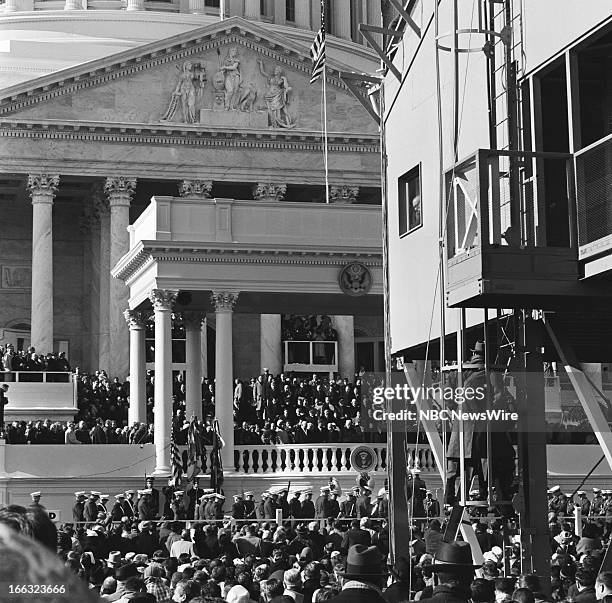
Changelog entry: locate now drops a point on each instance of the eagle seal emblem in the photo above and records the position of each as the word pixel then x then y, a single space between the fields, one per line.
pixel 355 279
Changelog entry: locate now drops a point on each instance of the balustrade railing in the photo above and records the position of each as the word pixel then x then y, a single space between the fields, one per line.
pixel 317 458
pixel 310 356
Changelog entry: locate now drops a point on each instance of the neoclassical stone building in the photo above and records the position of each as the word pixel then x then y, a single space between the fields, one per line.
pixel 220 126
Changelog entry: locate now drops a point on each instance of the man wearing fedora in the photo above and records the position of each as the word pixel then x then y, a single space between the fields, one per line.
pixel 474 446
pixel 453 567
pixel 363 576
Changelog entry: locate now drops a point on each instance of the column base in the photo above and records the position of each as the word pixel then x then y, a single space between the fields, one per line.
pixel 162 472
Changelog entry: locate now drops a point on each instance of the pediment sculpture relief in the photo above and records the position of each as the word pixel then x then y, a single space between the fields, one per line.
pixel 256 99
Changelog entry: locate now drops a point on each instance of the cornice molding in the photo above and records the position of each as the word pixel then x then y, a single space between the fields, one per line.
pixel 148 255
pixel 184 135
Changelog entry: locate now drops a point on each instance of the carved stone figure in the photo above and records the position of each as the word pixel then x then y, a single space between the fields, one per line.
pixel 188 92
pixel 277 98
pixel 248 96
pixel 232 78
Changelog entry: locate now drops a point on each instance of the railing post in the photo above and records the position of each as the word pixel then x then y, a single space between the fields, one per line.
pixel 279 517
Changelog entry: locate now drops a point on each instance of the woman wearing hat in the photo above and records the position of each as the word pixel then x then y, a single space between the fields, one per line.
pixel 363 576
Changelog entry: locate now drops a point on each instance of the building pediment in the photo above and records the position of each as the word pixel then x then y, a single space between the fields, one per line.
pixel 232 75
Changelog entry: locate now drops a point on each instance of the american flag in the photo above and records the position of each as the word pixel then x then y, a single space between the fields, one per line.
pixel 317 50
pixel 216 469
pixel 194 450
pixel 177 463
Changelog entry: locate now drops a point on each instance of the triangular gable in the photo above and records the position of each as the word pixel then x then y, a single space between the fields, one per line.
pixel 232 74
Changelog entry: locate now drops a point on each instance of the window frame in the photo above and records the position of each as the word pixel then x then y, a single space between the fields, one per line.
pixel 402 200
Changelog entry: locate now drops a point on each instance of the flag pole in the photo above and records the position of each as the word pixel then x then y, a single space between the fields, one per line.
pixel 325 158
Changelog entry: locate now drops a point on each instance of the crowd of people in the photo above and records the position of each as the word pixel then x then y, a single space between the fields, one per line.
pixel 282 409
pixel 145 548
pixel 29 361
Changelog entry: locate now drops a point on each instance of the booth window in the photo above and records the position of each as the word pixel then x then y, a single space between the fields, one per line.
pixel 409 199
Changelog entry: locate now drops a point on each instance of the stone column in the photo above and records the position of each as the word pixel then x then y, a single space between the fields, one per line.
pixel 162 300
pixel 302 15
pixel 105 278
pixel 119 192
pixel 73 5
pixel 192 321
pixel 42 188
pixel 204 346
pixel 137 412
pixel 135 5
pixel 344 326
pixel 342 18
pixel 252 9
pixel 270 343
pixel 374 16
pixel 223 302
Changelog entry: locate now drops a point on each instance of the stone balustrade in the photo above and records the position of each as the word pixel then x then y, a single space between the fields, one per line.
pixel 315 458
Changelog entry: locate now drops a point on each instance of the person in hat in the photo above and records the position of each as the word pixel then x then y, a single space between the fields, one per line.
pixel 249 505
pixel 270 505
pixel 583 503
pixel 78 508
pixel 128 504
pixel 596 502
pixel 91 507
pixel 238 510
pixel 35 504
pixel 218 502
pixel 123 573
pixel 146 510
pixel 474 445
pixel 308 507
pixel 348 507
pixel 363 576
pixel 454 569
pixel 295 507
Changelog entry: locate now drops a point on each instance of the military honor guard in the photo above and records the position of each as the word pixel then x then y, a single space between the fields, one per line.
pixel 35 504
pixel 308 507
pixel 249 505
pixel 117 511
pixel 78 509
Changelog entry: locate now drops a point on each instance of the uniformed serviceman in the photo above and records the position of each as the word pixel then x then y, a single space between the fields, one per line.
pixel 583 503
pixel 128 504
pixel 322 504
pixel 117 512
pixel 219 501
pixel 597 502
pixel 295 506
pixel 238 509
pixel 194 493
pixel 348 508
pixel 91 507
pixel 78 508
pixel 249 505
pixel 282 503
pixel 334 505
pixel 35 504
pixel 308 508
pixel 270 505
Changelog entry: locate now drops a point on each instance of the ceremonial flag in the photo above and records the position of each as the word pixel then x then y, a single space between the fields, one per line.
pixel 317 50
pixel 177 463
pixel 194 450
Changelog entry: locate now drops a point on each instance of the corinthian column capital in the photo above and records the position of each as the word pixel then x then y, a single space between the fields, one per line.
pixel 119 190
pixel 224 301
pixel 195 188
pixel 163 299
pixel 135 319
pixel 42 187
pixel 269 191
